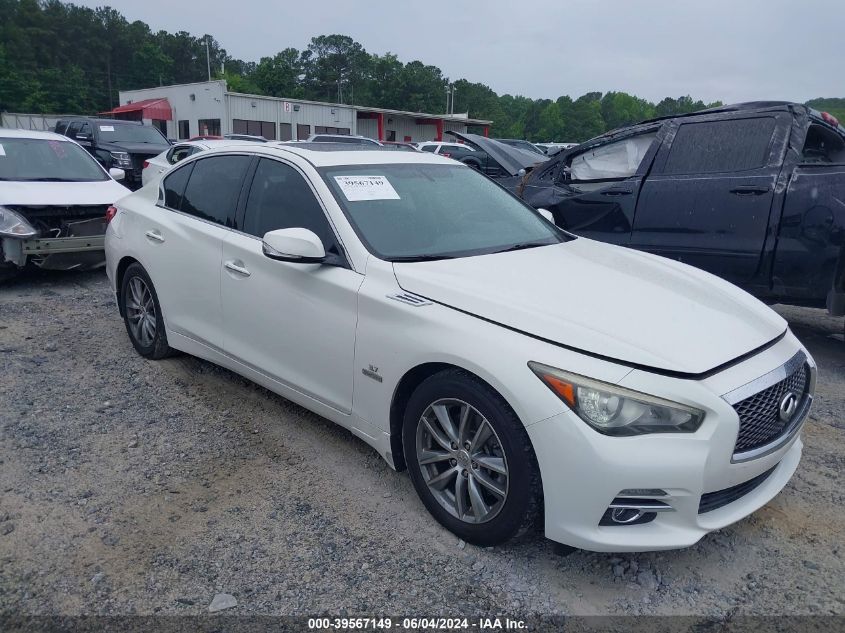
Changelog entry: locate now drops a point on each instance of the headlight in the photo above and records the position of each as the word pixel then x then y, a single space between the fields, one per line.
pixel 615 410
pixel 14 225
pixel 121 159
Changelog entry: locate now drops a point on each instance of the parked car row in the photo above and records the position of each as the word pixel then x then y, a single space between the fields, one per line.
pixel 621 400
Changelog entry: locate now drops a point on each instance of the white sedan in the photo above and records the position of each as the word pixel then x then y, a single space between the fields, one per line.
pixel 157 165
pixel 54 198
pixel 521 374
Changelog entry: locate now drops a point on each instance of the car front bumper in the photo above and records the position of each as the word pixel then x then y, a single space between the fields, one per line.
pixel 583 471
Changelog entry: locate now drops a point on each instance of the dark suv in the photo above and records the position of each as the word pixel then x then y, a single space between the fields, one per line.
pixel 122 144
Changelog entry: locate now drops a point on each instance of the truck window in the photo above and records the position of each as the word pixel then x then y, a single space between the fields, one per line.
pixel 614 161
pixel 823 145
pixel 720 146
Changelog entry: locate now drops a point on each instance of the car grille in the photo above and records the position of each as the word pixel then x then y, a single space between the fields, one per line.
pixel 759 414
pixel 715 500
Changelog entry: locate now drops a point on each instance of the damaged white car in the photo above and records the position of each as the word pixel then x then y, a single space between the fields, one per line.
pixel 53 202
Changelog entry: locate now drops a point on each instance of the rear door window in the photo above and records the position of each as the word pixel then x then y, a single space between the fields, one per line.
pixel 720 146
pixel 213 187
pixel 173 186
pixel 280 198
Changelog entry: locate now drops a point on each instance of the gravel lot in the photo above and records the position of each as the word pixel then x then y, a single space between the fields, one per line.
pixel 136 487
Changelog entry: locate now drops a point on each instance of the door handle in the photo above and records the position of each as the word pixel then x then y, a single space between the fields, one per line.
pixel 154 235
pixel 237 268
pixel 617 192
pixel 750 190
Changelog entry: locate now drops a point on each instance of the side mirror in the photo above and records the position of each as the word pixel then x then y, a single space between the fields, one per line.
pixel 117 173
pixel 298 246
pixel 547 214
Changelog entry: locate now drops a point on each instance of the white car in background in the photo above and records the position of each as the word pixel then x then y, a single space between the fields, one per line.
pixel 54 197
pixel 520 373
pixel 157 165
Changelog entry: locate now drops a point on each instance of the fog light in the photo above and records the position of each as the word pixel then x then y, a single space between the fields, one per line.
pixel 633 511
pixel 625 515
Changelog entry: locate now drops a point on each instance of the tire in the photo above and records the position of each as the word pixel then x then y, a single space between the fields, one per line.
pixel 142 314
pixel 7 273
pixel 505 459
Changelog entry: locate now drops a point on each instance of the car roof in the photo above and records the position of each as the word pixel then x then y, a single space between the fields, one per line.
pixel 216 142
pixel 37 134
pixel 334 154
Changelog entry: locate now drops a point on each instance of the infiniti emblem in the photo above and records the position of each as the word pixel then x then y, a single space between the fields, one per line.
pixel 788 405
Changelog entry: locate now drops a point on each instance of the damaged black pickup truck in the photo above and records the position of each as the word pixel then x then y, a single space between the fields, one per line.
pixel 754 193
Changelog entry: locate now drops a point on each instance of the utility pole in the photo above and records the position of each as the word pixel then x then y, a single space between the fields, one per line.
pixel 454 90
pixel 208 58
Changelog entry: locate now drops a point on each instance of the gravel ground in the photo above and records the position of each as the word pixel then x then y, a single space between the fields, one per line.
pixel 136 487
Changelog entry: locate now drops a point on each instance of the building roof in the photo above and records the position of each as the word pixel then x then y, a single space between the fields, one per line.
pixel 455 118
pixel 149 109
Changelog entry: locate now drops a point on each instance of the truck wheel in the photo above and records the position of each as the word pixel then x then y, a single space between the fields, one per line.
pixel 8 272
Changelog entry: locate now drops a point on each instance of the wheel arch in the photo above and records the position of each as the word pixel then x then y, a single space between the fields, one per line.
pixel 120 271
pixel 412 379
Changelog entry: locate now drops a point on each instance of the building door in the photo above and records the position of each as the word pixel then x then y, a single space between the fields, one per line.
pixel 302 132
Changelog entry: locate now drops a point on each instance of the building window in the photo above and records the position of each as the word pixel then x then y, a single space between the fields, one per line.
pixel 184 129
pixel 321 129
pixel 209 127
pixel 285 132
pixel 267 129
pixel 391 135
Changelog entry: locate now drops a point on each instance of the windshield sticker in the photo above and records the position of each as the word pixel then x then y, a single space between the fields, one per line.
pixel 2 151
pixel 58 148
pixel 358 188
pixel 106 128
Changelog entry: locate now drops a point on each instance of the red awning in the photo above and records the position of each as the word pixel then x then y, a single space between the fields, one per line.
pixel 149 108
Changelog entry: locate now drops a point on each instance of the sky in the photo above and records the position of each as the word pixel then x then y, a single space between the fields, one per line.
pixel 728 50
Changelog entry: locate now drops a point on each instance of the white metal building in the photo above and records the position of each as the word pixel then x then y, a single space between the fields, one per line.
pixel 208 108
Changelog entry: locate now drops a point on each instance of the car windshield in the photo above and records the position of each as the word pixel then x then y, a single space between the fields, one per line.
pixel 117 133
pixel 33 159
pixel 418 212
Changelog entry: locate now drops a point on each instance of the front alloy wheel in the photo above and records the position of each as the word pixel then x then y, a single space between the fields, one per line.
pixel 470 459
pixel 461 460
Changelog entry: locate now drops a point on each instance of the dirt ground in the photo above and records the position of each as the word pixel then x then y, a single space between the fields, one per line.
pixel 137 487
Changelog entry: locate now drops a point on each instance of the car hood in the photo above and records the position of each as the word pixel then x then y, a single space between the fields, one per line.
pixel 61 193
pixel 135 148
pixel 608 301
pixel 511 158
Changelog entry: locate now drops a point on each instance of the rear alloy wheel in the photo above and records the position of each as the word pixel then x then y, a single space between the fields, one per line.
pixel 142 314
pixel 470 459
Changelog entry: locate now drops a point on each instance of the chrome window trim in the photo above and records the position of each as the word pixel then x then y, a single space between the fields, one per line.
pixel 190 159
